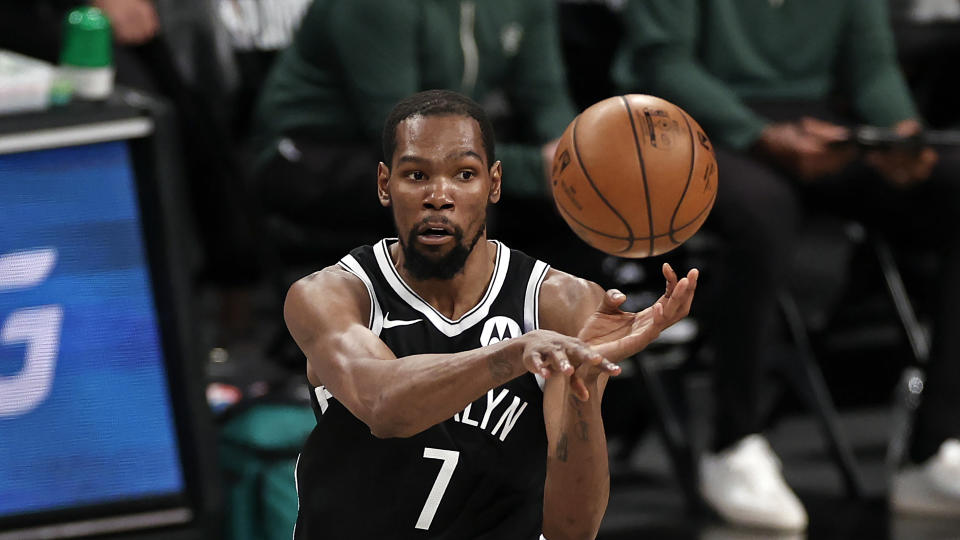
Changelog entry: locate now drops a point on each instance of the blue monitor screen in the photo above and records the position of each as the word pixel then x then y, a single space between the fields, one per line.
pixel 85 411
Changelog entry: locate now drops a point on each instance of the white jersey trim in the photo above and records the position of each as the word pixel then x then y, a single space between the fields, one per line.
pixel 296 486
pixel 531 301
pixel 350 264
pixel 448 327
pixel 531 304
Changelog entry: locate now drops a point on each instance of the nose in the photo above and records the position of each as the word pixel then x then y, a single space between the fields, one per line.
pixel 439 194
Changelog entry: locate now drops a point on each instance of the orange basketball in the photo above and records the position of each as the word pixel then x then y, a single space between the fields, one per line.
pixel 634 176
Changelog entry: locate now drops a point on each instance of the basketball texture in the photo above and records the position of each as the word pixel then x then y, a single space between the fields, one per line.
pixel 634 176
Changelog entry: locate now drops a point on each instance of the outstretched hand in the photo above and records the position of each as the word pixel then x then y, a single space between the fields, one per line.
pixel 608 336
pixel 546 353
pixel 617 335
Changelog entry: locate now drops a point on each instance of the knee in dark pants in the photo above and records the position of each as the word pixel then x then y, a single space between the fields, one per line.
pixel 761 229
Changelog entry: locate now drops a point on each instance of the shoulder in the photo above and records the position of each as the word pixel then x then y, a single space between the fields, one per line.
pixel 566 301
pixel 329 293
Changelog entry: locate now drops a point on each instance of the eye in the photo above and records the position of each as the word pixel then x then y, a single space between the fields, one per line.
pixel 416 175
pixel 466 174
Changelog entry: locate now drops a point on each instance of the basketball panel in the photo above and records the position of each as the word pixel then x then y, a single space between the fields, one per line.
pixel 663 244
pixel 607 244
pixel 605 141
pixel 702 188
pixel 573 191
pixel 664 140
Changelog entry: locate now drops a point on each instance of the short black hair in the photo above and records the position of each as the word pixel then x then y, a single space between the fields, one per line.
pixel 436 103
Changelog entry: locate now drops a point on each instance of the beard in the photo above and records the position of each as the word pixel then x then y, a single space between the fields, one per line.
pixel 423 267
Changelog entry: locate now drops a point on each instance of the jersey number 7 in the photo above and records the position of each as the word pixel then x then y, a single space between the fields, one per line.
pixel 450 459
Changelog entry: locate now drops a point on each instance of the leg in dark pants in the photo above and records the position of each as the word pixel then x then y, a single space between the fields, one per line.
pixel 938 417
pixel 757 214
pixel 925 216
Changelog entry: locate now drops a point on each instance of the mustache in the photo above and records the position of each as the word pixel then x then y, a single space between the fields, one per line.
pixel 429 221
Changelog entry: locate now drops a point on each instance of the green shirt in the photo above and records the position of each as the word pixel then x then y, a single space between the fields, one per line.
pixel 712 56
pixel 353 60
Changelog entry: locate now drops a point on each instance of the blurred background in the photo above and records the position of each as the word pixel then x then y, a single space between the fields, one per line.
pixel 169 167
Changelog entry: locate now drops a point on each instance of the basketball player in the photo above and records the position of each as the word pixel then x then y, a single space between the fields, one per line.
pixel 457 383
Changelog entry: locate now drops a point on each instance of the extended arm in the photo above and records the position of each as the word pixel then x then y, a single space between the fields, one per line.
pixel 326 314
pixel 578 477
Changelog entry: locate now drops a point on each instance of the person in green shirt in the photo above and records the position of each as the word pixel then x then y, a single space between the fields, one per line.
pixel 776 85
pixel 319 116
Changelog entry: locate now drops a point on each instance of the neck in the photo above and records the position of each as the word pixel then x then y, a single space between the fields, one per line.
pixel 455 296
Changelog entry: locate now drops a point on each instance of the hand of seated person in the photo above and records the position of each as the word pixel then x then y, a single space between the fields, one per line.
pixel 904 166
pixel 806 147
pixel 134 22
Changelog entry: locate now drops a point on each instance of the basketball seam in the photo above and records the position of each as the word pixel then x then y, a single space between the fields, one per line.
pixel 591 229
pixel 586 174
pixel 624 238
pixel 693 162
pixel 643 172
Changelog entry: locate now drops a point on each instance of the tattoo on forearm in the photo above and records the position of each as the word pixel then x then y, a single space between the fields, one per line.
pixel 576 404
pixel 583 428
pixel 562 448
pixel 500 366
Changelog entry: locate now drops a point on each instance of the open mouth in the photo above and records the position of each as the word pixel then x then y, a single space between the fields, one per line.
pixel 435 233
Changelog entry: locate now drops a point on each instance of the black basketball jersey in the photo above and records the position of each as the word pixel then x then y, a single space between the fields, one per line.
pixel 478 475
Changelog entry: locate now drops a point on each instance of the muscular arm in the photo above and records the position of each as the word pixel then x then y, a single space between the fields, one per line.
pixel 578 476
pixel 327 315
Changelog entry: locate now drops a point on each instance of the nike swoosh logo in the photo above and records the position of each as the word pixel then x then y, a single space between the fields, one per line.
pixel 387 323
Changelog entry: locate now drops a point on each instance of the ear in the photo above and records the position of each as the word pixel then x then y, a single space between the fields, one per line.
pixel 383 177
pixel 496 176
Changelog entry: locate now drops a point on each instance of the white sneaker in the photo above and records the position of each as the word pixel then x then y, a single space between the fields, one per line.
pixel 932 488
pixel 745 486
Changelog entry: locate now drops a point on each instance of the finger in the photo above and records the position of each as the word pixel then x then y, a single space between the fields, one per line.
pixel 682 293
pixel 609 367
pixel 536 360
pixel 579 388
pixel 671 278
pixel 659 316
pixel 586 355
pixel 559 361
pixel 611 302
pixel 908 127
pixel 679 295
pixel 826 130
pixel 685 308
pixel 689 291
pixel 631 344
